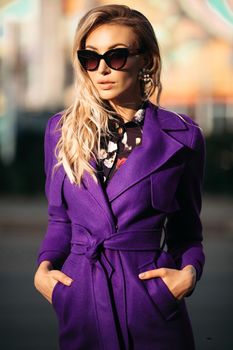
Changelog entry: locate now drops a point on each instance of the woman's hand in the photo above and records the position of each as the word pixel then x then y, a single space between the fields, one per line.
pixel 46 278
pixel 180 282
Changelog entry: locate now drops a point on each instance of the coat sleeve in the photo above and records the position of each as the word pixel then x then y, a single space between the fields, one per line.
pixel 184 227
pixel 55 245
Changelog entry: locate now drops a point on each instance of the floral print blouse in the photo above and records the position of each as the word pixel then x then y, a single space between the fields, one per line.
pixel 116 148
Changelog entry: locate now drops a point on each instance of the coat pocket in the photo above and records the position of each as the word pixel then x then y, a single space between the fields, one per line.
pixel 54 292
pixel 163 188
pixel 60 290
pixel 160 294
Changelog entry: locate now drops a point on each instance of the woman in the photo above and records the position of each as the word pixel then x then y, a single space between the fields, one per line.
pixel 119 170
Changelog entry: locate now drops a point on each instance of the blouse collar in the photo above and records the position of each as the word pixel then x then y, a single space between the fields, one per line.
pixel 138 117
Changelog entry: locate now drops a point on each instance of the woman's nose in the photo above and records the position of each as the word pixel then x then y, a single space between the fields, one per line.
pixel 103 67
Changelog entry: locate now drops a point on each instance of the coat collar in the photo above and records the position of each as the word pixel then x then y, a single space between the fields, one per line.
pixel 164 134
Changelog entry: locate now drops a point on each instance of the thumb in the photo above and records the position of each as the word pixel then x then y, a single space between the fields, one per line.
pixel 152 273
pixel 62 277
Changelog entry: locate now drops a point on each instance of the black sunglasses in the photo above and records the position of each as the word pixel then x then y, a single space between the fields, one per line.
pixel 114 58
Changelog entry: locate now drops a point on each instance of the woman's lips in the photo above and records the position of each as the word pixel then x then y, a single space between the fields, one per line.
pixel 106 85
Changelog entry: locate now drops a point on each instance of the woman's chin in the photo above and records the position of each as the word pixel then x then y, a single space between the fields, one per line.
pixel 108 95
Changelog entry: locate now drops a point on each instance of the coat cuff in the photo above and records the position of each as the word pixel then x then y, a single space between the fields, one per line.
pixel 55 257
pixel 189 257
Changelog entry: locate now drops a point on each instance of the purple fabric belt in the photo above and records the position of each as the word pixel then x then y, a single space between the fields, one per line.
pixel 93 248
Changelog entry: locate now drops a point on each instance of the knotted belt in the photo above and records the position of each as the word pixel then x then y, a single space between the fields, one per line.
pixel 93 248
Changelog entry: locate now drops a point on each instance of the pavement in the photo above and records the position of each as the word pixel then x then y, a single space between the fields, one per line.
pixel 28 321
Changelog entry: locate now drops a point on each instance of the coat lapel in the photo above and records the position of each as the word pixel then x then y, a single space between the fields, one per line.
pixel 163 135
pixel 156 148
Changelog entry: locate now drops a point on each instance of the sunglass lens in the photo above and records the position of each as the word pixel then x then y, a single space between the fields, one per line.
pixel 91 63
pixel 116 59
pixel 88 60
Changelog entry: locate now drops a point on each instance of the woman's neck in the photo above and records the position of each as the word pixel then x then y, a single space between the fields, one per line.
pixel 127 111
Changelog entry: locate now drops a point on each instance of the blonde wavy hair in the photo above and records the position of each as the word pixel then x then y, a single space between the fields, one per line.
pixel 86 119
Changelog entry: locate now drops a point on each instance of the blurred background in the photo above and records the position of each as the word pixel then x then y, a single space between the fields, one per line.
pixel 36 81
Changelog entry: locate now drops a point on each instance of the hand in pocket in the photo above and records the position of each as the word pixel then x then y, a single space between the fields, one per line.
pixel 46 278
pixel 179 282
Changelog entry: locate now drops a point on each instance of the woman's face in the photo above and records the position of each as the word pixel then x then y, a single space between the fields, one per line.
pixel 122 86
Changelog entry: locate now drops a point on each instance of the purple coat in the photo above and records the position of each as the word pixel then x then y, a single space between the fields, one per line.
pixel 104 240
